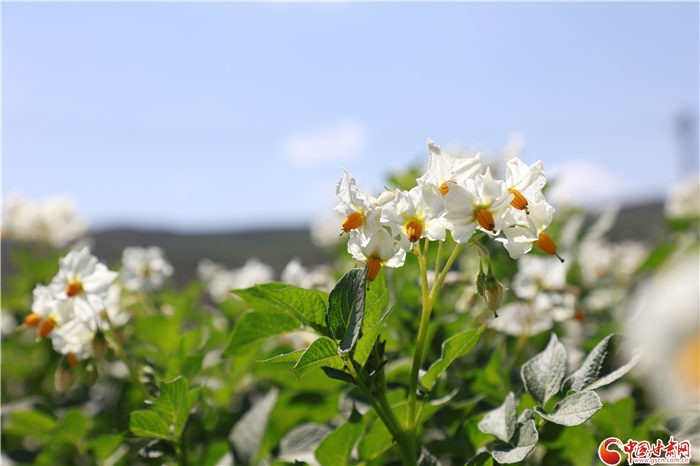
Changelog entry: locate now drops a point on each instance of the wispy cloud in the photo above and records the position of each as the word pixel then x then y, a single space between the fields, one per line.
pixel 585 183
pixel 341 141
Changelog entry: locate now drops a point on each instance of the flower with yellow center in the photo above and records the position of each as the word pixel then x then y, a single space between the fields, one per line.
pixel 481 202
pixel 525 183
pixel 524 231
pixel 418 213
pixel 359 209
pixel 84 282
pixel 377 249
pixel 47 312
pixel 444 168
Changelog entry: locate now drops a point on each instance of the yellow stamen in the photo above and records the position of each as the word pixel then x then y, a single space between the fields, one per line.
pixel 519 201
pixel 32 320
pixel 373 266
pixel 444 189
pixel 414 230
pixel 73 289
pixel 354 220
pixel 485 219
pixel 46 327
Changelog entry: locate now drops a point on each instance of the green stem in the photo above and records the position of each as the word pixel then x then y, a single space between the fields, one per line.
pixel 437 263
pixel 119 350
pixel 438 284
pixel 399 436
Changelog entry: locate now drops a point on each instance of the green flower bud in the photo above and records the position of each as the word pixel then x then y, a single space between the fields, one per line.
pixel 480 280
pixel 493 291
pixel 98 347
pixel 65 376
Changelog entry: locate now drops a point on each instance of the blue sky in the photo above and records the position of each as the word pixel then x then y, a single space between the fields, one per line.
pixel 198 116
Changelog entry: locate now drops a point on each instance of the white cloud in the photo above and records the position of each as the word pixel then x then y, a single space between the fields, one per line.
pixel 342 141
pixel 584 183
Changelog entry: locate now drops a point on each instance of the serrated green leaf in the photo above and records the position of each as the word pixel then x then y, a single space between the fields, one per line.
pixel 191 366
pixel 543 374
pixel 452 348
pixel 523 443
pixel 346 308
pixel 149 424
pixel 322 352
pixel 336 447
pixel 256 326
pixel 307 306
pixel 573 410
pixel 501 421
pixel 366 342
pixel 173 405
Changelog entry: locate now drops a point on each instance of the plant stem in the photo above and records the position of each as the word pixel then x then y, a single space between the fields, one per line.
pixel 437 263
pixel 407 454
pixel 119 349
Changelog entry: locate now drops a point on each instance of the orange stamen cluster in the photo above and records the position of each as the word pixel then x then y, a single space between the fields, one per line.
pixel 46 327
pixel 519 201
pixel 353 221
pixel 485 219
pixel 546 244
pixel 373 267
pixel 414 230
pixel 444 189
pixel 32 320
pixel 73 289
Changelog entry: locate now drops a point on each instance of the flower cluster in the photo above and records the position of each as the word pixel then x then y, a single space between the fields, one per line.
pixel 53 221
pixel 77 306
pixel 455 194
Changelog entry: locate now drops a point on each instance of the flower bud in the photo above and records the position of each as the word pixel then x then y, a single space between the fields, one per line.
pixel 65 376
pixel 480 280
pixel 98 347
pixel 90 376
pixel 493 292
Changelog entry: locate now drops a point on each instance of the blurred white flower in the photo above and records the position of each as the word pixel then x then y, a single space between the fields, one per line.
pixel 117 315
pixel 54 220
pixel 73 338
pixel 665 314
pixel 538 274
pixel 683 199
pixel 144 269
pixel 324 231
pixel 318 277
pixel 377 250
pixel 220 281
pixel 533 317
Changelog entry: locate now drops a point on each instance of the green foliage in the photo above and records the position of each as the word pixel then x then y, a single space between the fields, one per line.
pixel 336 448
pixel 169 415
pixel 452 348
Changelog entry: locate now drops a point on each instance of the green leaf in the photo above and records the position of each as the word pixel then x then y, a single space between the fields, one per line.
pixel 336 448
pixel 256 326
pixel 160 331
pixel 247 434
pixel 337 374
pixel 25 423
pixel 366 342
pixel 523 443
pixel 576 444
pixel 543 374
pixel 376 300
pixel 452 348
pixel 71 427
pixel 616 420
pixel 173 405
pixel 307 306
pixel 501 421
pixel 322 352
pixel 292 356
pixel 346 308
pixel 105 445
pixel 191 366
pixel 574 409
pixel 482 459
pixel 149 424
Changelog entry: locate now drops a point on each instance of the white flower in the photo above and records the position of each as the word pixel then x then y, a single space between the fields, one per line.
pixel 482 200
pixel 359 209
pixel 221 281
pixel 522 231
pixel 53 221
pixel 73 338
pixel 417 213
pixel 443 168
pixel 318 278
pixel 117 315
pixel 324 231
pixel 683 199
pixel 538 274
pixel 378 249
pixel 533 317
pixel 83 282
pixel 144 268
pixel 525 183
